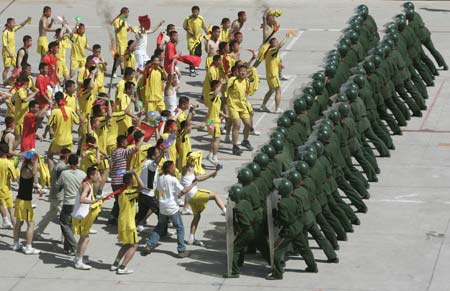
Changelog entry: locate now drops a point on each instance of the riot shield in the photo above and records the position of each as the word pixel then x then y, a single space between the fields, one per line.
pixel 230 235
pixel 272 203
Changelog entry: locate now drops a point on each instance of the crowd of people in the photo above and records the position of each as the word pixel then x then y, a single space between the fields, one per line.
pixel 134 135
pixel 368 89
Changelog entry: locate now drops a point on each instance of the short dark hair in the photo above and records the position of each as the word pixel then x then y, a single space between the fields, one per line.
pixel 26 38
pixel 195 7
pixel 31 104
pixel 237 33
pixel 232 42
pixel 170 26
pixel 128 85
pixel 127 178
pixel 151 152
pixel 73 159
pixel 26 65
pixel 241 13
pixel 90 139
pixel 42 66
pixel 182 100
pixel 222 45
pixel 167 166
pixel 96 46
pixel 137 135
pixel 123 9
pixel 121 138
pixel 91 170
pixel 4 148
pixel 128 71
pixel 130 42
pixel 46 8
pixel 59 95
pixel 225 19
pixel 215 27
pixel 214 83
pixel 69 83
pixel 173 32
pixel 10 119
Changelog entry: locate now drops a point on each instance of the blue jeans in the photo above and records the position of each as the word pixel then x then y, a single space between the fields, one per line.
pixel 163 220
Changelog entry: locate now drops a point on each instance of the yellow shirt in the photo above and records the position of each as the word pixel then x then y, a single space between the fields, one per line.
pixel 7 172
pixel 181 117
pixel 127 205
pixel 213 73
pixel 121 104
pixel 237 93
pixel 63 45
pixel 138 158
pixel 116 119
pixel 272 58
pixel 130 60
pixel 9 39
pixel 194 25
pixel 83 74
pixel 89 159
pixel 62 128
pixel 20 107
pixel 31 85
pixel 224 35
pixel 230 61
pixel 183 148
pixel 71 101
pixel 154 87
pixel 102 134
pixel 86 101
pixel 100 79
pixel 79 44
pixel 120 88
pixel 214 108
pixel 122 35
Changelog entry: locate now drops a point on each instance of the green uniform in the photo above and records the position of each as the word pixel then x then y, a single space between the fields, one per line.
pixel 243 217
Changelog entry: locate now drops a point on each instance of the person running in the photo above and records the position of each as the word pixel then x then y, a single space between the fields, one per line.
pixel 8 173
pixel 31 122
pixel 198 198
pixel 22 54
pixel 170 190
pixel 141 36
pixel 121 30
pixel 127 224
pixel 79 45
pixel 9 45
pixel 45 25
pixel 69 183
pixel 85 211
pixel 192 25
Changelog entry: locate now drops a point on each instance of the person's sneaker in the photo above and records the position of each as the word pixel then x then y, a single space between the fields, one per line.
pixel 264 108
pixel 311 269
pixel 124 271
pixel 333 261
pixel 184 254
pixel 255 132
pixel 108 179
pixel 31 251
pixel 192 73
pixel 278 111
pixel 210 159
pixel 82 266
pixel 246 144
pixel 186 212
pixel 445 67
pixel 272 277
pixel 92 231
pixel 114 75
pixel 113 268
pixel 140 228
pixel 227 139
pixel 148 250
pixel 7 225
pixel 198 243
pixel 17 247
pixel 283 78
pixel 236 151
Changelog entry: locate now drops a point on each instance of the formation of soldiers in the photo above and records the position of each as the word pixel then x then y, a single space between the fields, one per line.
pixel 368 89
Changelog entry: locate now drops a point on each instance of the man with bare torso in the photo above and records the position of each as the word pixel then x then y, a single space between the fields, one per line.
pixel 239 22
pixel 45 24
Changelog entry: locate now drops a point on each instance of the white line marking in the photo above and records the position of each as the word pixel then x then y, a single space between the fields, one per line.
pixel 399 201
pixel 406 196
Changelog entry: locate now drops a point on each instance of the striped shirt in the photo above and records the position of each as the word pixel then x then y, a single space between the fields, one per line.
pixel 119 159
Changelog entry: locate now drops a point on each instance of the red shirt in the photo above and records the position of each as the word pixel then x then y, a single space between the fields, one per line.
pixel 50 60
pixel 170 52
pixel 29 132
pixel 41 85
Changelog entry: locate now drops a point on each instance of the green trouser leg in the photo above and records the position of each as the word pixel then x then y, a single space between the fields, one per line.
pixel 380 130
pixel 260 241
pixel 356 183
pixel 401 106
pixel 323 243
pixel 369 155
pixel 351 193
pixel 339 213
pixel 327 230
pixel 334 222
pixel 300 243
pixel 392 123
pixel 428 43
pixel 429 63
pixel 240 243
pixel 377 142
pixel 282 246
pixel 368 169
pixel 390 104
pixel 344 206
pixel 415 94
pixel 418 82
pixel 401 90
pixel 423 72
pixel 355 171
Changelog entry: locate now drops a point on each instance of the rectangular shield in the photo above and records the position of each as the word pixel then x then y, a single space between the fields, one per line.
pixel 272 203
pixel 230 235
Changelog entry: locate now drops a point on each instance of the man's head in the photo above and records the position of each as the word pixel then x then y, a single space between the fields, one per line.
pixel 226 23
pixel 81 29
pixel 273 42
pixel 47 11
pixel 153 153
pixel 171 126
pixel 73 160
pixel 53 47
pixel 127 179
pixel 129 88
pixel 215 32
pixel 183 103
pixel 239 36
pixel 4 149
pixel 10 23
pixel 168 168
pixel 195 11
pixel 242 72
pixel 70 86
pixel 156 61
pixel 93 174
pixel 96 50
pixel 9 121
pixel 26 70
pixel 173 36
pixel 224 47
pixel 43 68
pixel 128 73
pixel 242 16
pixel 33 106
pixel 122 141
pixel 170 27
pixel 234 46
pixel 216 60
pixel 124 11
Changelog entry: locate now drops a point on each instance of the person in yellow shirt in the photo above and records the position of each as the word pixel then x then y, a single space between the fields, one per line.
pixel 122 103
pixel 70 95
pixel 20 100
pixel 79 44
pixel 62 72
pixel 154 87
pixel 273 63
pixel 102 67
pixel 90 154
pixel 168 134
pixel 213 119
pixel 212 73
pixel 61 120
pixel 227 61
pixel 130 57
pixel 8 173
pixel 127 233
pixel 193 24
pixel 225 30
pixel 183 143
pixel 9 44
pixel 128 75
pixel 237 92
pixel 121 30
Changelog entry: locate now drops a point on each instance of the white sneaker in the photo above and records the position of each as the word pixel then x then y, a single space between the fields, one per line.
pixel 33 205
pixel 7 225
pixel 92 231
pixel 278 111
pixel 31 251
pixel 124 271
pixel 113 268
pixel 17 247
pixel 283 78
pixel 108 179
pixel 255 132
pixel 140 228
pixel 224 130
pixel 82 266
pixel 227 139
pixel 186 212
pixel 264 108
pixel 210 159
pixel 114 75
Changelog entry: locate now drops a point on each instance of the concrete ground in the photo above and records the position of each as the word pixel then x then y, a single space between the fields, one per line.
pixel 402 242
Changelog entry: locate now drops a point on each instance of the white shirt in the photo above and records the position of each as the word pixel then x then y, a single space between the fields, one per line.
pixel 186 181
pixel 81 210
pixel 168 189
pixel 141 44
pixel 149 166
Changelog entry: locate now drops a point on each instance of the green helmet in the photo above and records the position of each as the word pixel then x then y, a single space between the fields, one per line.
pixel 343 49
pixel 395 37
pixel 357 19
pixel 295 178
pixel 303 168
pixel 353 36
pixel 284 121
pixel 291 115
pixel 390 41
pixel 345 40
pixel 320 76
pixel 377 61
pixel 299 105
pixel 255 168
pixel 409 14
pixel 333 52
pixel 326 123
pixel 391 26
pixel 359 80
pixel 362 6
pixel 344 109
pixel 308 157
pixel 369 66
pixel 355 25
pixel 309 90
pixel 334 116
pixel 235 192
pixel 277 135
pixel 318 86
pixel 319 147
pixel 363 11
pixel 333 61
pixel 245 176
pixel 262 160
pixel 387 48
pixel 282 130
pixel 359 69
pixel 310 148
pixel 330 70
pixel 277 145
pixel 378 51
pixel 324 135
pixel 351 94
pixel 401 22
pixel 269 150
pixel 340 97
pixel 408 5
pixel 308 100
pixel 349 85
pixel 284 186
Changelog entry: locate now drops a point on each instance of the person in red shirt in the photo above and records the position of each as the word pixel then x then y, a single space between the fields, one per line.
pixel 171 52
pixel 50 60
pixel 30 124
pixel 43 97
